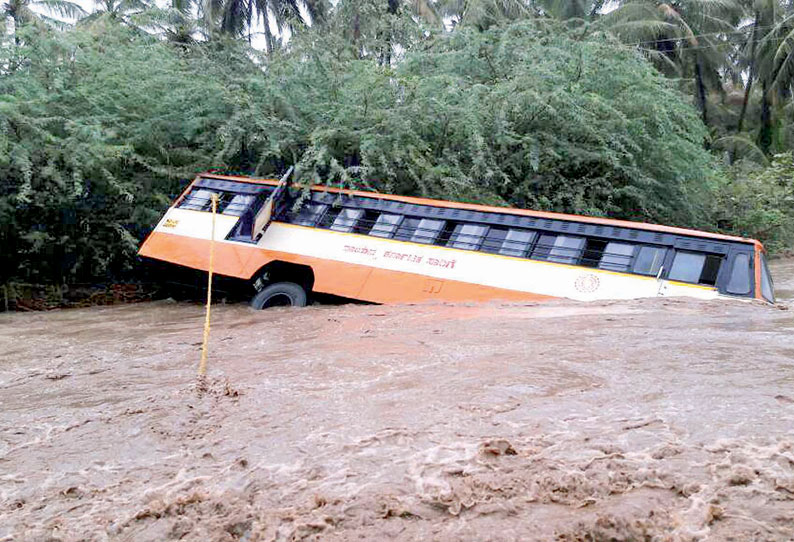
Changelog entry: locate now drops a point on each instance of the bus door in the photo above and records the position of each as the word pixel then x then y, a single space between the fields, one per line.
pixel 273 207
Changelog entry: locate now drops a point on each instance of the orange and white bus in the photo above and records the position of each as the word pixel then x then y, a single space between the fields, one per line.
pixel 288 243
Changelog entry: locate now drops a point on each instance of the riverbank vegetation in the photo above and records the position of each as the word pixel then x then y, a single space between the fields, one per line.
pixel 678 113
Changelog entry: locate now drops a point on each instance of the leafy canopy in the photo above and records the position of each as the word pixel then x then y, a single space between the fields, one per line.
pixel 101 124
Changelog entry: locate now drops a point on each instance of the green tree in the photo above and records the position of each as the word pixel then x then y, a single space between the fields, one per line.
pixel 758 202
pixel 95 135
pixel 525 115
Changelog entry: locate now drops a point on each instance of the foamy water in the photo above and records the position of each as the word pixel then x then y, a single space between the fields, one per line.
pixel 660 419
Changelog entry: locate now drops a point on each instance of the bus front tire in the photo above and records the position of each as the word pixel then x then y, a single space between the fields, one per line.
pixel 280 294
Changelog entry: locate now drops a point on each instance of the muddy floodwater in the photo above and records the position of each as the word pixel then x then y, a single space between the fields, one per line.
pixel 660 419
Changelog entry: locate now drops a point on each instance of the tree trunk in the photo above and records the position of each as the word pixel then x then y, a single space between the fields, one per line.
pixel 749 85
pixel 15 18
pixel 357 35
pixel 701 90
pixel 270 44
pixel 765 135
pixel 385 57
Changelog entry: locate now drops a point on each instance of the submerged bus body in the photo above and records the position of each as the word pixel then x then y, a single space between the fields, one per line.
pixel 382 248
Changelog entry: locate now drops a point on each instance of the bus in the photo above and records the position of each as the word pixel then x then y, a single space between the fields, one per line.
pixel 288 242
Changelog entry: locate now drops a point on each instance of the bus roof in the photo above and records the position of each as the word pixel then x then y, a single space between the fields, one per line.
pixel 505 210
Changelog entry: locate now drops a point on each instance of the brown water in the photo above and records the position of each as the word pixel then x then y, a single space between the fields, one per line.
pixel 659 419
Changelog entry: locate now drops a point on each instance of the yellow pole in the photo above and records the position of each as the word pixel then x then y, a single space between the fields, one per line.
pixel 203 364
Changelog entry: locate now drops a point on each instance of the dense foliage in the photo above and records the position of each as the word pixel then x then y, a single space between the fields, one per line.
pixel 101 124
pixel 759 202
pixel 97 130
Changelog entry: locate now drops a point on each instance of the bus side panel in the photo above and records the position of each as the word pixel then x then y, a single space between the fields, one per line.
pixel 330 277
pixel 336 278
pixel 387 286
pixel 240 261
pixel 230 259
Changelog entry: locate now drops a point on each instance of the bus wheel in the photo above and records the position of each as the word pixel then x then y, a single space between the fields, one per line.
pixel 280 294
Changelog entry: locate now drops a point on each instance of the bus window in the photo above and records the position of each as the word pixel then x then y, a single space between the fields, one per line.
pixel 366 222
pixel 198 200
pixel 309 214
pixel 616 257
pixel 687 266
pixel 543 246
pixel 566 249
pixel 407 228
pixel 517 242
pixel 649 260
pixel 694 267
pixel 767 287
pixel 386 225
pixel 740 283
pixel 593 252
pixel 239 204
pixel 710 270
pixel 467 236
pixel 493 240
pixel 426 230
pixel 444 238
pixel 347 219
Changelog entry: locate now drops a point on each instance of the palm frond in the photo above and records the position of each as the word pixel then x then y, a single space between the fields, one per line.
pixel 642 31
pixel 62 8
pixel 182 6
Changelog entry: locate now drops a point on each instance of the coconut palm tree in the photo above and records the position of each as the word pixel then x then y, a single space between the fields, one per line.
pixel 239 17
pixel 686 38
pixel 771 62
pixel 483 14
pixel 52 12
pixel 119 10
pixel 564 10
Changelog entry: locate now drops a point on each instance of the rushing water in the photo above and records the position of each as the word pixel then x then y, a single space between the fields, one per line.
pixel 663 419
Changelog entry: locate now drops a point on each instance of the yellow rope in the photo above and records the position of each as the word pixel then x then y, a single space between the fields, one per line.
pixel 203 364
